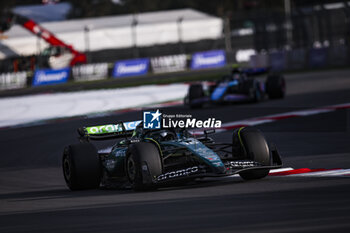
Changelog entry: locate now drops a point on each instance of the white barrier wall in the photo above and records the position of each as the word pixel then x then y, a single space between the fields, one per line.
pixel 117 32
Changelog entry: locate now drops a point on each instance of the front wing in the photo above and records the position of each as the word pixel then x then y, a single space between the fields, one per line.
pixel 230 168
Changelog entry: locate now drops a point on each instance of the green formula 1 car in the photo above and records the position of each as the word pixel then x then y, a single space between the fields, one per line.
pixel 147 159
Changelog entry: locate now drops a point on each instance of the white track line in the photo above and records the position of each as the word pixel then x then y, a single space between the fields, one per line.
pixel 340 172
pixel 281 170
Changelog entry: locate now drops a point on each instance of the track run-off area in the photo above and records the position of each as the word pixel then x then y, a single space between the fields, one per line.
pixel 310 193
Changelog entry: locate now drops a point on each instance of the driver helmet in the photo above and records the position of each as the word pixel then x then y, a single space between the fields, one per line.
pixel 166 136
pixel 236 69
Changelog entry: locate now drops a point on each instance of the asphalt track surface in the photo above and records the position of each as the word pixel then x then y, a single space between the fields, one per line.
pixel 34 198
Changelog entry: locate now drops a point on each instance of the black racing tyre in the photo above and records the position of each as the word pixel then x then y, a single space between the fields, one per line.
pixel 251 88
pixel 258 93
pixel 81 166
pixel 249 143
pixel 195 92
pixel 247 87
pixel 143 165
pixel 275 86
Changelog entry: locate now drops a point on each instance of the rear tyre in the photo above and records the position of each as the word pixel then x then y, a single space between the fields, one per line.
pixel 195 92
pixel 81 166
pixel 143 165
pixel 249 143
pixel 275 86
pixel 252 89
pixel 258 93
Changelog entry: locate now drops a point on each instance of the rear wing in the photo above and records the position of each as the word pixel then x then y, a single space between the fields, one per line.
pixel 103 132
pixel 256 71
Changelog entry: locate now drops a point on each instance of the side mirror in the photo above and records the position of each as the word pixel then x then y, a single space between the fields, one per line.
pixel 209 131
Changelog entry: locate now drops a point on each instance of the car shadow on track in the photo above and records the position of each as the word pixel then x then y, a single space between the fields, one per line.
pixel 60 193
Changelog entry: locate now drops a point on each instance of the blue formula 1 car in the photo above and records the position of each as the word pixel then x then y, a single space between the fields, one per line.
pixel 147 159
pixel 239 86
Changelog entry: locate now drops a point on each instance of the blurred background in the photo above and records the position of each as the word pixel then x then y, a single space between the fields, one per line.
pixel 283 35
pixel 70 64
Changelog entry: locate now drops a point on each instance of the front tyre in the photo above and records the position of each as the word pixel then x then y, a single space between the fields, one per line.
pixel 143 165
pixel 195 92
pixel 81 166
pixel 249 143
pixel 258 93
pixel 275 86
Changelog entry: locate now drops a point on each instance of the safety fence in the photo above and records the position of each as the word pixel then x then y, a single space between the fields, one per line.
pixel 283 60
pixel 119 69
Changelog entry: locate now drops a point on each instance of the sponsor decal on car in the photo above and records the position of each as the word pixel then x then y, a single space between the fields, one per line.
pixel 110 164
pixel 102 129
pixel 178 173
pixel 243 164
pixel 112 128
pixel 131 125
